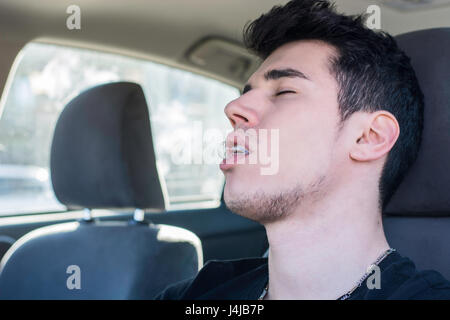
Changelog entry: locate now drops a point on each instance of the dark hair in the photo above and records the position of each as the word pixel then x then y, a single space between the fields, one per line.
pixel 370 69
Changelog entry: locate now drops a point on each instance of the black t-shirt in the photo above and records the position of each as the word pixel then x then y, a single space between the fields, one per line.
pixel 245 279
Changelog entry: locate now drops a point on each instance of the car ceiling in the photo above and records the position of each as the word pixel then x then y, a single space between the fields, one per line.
pixel 163 30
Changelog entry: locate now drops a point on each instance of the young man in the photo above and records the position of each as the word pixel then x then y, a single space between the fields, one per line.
pixel 349 112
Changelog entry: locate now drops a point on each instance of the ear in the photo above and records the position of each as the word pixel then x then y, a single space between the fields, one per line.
pixel 379 134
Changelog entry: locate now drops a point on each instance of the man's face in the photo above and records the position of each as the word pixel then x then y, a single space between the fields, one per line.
pixel 292 91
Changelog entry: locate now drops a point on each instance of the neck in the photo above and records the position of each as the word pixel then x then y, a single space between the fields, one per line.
pixel 321 251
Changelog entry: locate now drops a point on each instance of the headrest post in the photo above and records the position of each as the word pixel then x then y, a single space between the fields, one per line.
pixel 87 214
pixel 139 215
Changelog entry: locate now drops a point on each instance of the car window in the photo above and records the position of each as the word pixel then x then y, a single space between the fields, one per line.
pixel 47 76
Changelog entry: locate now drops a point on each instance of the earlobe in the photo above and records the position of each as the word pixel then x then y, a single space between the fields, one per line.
pixel 359 153
pixel 357 156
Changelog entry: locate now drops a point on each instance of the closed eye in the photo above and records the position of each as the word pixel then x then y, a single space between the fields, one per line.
pixel 284 92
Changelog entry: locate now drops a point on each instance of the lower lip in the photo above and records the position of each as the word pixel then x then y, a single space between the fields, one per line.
pixel 226 166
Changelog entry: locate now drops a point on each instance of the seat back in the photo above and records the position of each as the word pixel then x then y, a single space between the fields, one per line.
pixel 102 157
pixel 106 260
pixel 425 240
pixel 417 218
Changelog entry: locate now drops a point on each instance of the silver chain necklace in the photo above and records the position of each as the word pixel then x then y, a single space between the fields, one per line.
pixel 358 284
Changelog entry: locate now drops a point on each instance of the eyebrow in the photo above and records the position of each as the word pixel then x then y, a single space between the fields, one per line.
pixel 276 74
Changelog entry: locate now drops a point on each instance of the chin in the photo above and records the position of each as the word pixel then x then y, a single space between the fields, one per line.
pixel 265 201
pixel 231 192
pixel 239 186
pixel 241 206
pixel 247 201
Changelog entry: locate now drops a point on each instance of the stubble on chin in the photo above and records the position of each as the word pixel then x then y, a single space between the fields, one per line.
pixel 264 207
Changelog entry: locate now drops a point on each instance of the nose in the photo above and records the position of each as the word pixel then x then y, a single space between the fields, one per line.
pixel 241 114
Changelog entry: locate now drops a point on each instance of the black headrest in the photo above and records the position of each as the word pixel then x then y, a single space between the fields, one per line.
pixel 102 152
pixel 425 189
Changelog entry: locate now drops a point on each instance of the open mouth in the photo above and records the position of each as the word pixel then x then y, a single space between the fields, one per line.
pixel 234 155
pixel 237 149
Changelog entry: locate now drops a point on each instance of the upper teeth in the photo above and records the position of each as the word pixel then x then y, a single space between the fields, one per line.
pixel 239 149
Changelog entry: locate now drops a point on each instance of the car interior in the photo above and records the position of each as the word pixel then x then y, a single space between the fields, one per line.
pixel 91 116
